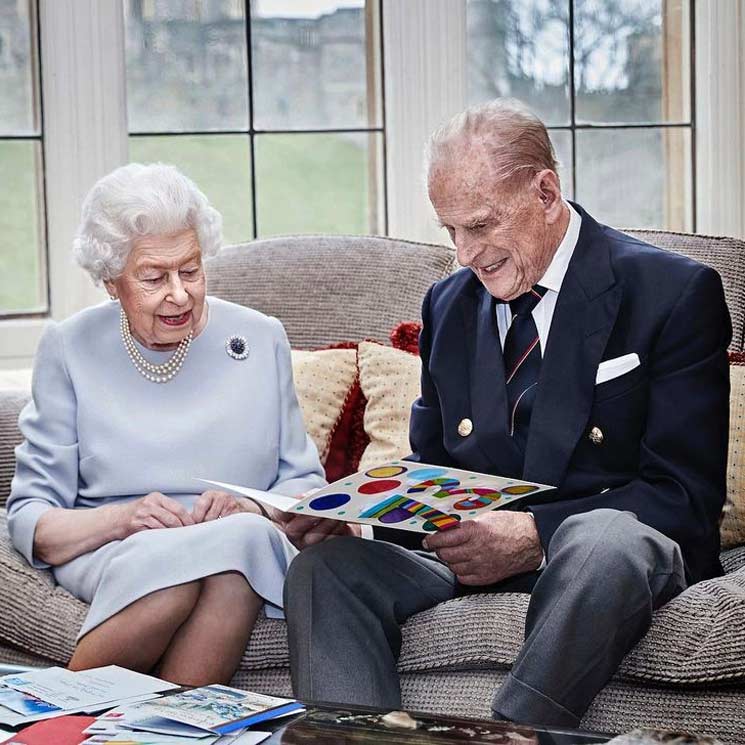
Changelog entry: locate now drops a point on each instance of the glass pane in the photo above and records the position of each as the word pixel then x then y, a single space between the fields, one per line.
pixel 636 178
pixel 520 48
pixel 220 165
pixel 186 66
pixel 318 183
pixel 313 64
pixel 562 142
pixel 632 60
pixel 22 281
pixel 18 83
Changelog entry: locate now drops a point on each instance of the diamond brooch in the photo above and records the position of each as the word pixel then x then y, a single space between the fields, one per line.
pixel 237 347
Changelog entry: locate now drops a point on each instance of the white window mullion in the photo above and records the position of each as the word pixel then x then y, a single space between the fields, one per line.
pixel 720 117
pixel 85 136
pixel 425 84
pixel 84 87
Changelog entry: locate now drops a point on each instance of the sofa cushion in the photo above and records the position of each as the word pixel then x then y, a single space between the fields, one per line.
pixel 390 382
pixel 694 639
pixel 330 287
pixel 691 640
pixel 349 439
pixel 732 528
pixel 323 381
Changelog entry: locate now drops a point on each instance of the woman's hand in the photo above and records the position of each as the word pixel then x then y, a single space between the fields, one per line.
pixel 155 510
pixel 305 530
pixel 213 504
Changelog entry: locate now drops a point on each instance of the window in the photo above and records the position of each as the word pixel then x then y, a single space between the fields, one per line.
pixel 273 107
pixel 253 136
pixel 23 286
pixel 612 81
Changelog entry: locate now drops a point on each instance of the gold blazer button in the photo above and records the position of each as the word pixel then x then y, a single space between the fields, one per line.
pixel 465 427
pixel 596 436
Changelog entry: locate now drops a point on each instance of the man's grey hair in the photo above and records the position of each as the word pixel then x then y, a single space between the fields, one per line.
pixel 513 139
pixel 140 200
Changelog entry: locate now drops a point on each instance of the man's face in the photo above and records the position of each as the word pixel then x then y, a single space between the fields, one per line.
pixel 501 231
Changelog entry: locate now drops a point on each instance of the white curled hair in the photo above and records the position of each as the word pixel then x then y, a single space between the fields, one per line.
pixel 139 200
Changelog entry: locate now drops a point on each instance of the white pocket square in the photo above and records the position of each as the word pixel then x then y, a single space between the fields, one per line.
pixel 616 367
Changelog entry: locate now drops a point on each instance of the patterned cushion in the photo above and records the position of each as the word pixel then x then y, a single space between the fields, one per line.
pixel 732 529
pixel 390 382
pixel 323 381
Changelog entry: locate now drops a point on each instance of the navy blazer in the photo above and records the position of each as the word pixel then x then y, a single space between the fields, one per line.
pixel 665 424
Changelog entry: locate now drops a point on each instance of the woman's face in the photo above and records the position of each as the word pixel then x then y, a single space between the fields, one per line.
pixel 162 289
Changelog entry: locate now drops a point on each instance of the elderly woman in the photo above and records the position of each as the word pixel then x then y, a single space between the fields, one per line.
pixel 135 399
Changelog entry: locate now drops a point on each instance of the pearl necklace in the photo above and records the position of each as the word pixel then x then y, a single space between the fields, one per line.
pixel 162 373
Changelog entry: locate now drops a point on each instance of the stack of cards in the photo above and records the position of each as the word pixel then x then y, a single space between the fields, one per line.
pixel 210 715
pixel 43 694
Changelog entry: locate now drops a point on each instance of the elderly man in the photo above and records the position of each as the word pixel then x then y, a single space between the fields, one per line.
pixel 564 353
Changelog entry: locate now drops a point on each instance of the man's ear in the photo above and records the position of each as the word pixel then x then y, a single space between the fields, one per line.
pixel 548 187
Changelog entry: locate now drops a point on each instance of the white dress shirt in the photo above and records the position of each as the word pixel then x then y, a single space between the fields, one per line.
pixel 543 312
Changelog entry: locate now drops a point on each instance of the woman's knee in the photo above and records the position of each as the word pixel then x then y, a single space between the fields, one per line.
pixel 231 585
pixel 178 600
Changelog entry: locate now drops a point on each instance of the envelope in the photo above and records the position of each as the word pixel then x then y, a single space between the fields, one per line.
pixel 610 369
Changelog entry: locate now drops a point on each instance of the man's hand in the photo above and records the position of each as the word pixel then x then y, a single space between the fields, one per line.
pixel 213 504
pixel 489 548
pixel 305 530
pixel 155 510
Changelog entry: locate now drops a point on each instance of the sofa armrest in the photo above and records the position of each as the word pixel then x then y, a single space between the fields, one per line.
pixel 38 616
pixel 697 637
pixel 11 403
pixel 733 559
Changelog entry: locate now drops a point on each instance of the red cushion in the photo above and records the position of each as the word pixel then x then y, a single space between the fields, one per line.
pixel 348 437
pixel 405 336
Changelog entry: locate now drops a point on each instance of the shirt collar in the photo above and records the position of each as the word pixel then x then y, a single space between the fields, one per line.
pixel 557 269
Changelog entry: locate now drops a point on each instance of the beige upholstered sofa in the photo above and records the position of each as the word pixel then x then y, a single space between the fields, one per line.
pixel 687 673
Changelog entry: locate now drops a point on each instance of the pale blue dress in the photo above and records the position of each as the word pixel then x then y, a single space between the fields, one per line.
pixel 97 432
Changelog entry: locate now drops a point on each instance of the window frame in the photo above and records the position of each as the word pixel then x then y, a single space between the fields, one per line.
pixel 85 125
pixel 374 77
pixel 37 137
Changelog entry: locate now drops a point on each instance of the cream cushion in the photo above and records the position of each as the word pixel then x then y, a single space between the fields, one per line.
pixel 323 380
pixel 732 529
pixel 389 379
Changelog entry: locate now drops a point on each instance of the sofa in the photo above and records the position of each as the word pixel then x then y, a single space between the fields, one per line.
pixel 688 673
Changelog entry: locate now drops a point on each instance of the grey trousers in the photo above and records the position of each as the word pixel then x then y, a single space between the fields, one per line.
pixel 606 572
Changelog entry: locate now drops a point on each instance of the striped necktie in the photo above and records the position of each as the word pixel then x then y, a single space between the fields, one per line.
pixel 522 363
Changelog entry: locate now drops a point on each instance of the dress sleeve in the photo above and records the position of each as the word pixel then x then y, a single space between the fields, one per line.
pixel 299 468
pixel 46 472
